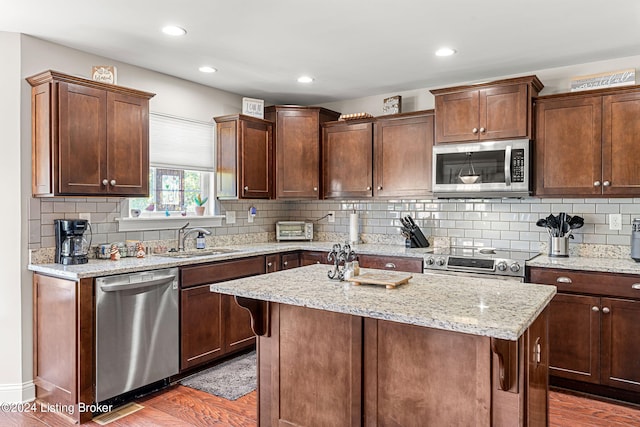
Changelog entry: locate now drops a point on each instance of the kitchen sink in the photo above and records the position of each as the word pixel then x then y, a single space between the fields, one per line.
pixel 197 253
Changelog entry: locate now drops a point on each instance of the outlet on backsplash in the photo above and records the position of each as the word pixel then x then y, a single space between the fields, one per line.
pixel 615 221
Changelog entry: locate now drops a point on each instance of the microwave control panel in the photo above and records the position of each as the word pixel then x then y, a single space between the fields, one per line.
pixel 517 165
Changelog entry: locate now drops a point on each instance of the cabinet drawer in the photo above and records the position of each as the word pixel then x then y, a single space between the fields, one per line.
pixel 412 265
pixel 313 257
pixel 584 282
pixel 221 271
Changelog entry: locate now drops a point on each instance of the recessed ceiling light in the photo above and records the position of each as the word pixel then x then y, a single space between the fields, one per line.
pixel 305 79
pixel 173 30
pixel 207 69
pixel 445 51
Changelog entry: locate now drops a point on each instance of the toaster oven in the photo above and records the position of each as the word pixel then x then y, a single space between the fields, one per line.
pixel 294 230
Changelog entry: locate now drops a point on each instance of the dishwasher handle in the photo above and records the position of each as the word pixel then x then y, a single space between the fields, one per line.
pixel 128 286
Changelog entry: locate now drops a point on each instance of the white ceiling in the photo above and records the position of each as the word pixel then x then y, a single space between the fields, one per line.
pixel 353 48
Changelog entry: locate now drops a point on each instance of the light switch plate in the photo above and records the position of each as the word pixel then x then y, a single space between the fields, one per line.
pixel 230 217
pixel 615 221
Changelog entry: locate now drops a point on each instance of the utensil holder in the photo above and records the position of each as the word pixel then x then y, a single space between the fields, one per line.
pixel 559 247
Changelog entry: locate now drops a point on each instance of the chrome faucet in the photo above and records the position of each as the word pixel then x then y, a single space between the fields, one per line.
pixel 182 235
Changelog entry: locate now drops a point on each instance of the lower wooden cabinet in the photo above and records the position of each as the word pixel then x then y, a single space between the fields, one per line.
pixel 272 263
pixel 63 344
pixel 290 260
pixel 408 264
pixel 212 324
pixel 314 257
pixel 593 328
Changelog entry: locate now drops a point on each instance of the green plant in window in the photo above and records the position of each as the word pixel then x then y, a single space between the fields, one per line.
pixel 199 200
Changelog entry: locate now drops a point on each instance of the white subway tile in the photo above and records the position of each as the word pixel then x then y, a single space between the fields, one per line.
pixel 606 208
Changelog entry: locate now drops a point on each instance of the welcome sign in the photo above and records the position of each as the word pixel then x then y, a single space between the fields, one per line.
pixel 604 80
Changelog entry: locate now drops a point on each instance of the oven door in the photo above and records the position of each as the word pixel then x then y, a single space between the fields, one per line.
pixel 485 169
pixel 478 275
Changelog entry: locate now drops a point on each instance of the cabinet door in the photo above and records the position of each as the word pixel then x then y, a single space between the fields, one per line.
pixel 347 164
pixel 227 159
pixel 504 112
pixel 290 260
pixel 272 263
pixel 297 154
pixel 568 147
pixel 403 156
pixel 201 326
pixel 256 163
pixel 127 145
pixel 574 337
pixel 237 325
pixel 457 116
pixel 82 153
pixel 620 131
pixel 620 344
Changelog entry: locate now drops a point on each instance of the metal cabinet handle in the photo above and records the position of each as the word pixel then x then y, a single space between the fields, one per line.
pixel 379 187
pixel 595 308
pixel 635 286
pixel 285 263
pixel 482 130
pixel 269 264
pixel 564 279
pixel 315 188
pixel 474 130
pixel 606 183
pixel 368 188
pixel 246 188
pixel 596 184
pixel 113 182
pixel 389 265
pixel 105 182
pixel 537 351
pixel 606 310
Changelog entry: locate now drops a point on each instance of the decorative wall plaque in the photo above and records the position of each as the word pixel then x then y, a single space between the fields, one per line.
pixel 253 107
pixel 392 105
pixel 604 80
pixel 104 74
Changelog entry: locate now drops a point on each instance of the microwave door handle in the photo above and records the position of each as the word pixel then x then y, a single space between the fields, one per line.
pixel 507 166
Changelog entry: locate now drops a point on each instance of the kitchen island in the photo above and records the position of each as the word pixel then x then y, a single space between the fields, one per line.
pixel 439 350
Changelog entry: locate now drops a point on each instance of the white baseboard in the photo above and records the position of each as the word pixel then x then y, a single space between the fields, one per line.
pixel 17 393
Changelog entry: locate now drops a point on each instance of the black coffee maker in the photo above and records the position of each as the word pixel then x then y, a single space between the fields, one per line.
pixel 71 246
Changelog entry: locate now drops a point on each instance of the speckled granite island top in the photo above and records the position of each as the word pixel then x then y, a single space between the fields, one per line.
pixel 487 307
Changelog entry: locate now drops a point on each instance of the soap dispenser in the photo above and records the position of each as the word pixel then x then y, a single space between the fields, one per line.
pixel 200 241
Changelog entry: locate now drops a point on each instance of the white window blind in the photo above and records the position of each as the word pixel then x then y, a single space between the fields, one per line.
pixel 178 143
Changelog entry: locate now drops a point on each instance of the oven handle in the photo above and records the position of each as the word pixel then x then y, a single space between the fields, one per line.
pixel 507 166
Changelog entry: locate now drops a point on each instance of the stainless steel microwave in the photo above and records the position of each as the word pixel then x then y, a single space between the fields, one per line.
pixel 294 230
pixel 482 169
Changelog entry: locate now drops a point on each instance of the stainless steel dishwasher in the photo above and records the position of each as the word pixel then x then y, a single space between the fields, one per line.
pixel 137 340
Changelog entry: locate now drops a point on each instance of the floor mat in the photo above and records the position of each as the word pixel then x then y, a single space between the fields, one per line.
pixel 231 379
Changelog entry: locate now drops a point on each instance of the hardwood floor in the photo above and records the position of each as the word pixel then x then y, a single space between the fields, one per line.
pixel 183 406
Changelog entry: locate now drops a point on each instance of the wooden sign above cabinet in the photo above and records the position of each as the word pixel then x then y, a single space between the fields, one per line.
pixel 88 138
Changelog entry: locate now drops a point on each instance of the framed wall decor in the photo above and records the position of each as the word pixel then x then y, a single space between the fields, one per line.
pixel 104 74
pixel 253 107
pixel 392 105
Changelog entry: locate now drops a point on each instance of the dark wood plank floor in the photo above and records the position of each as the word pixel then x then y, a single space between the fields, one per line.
pixel 183 406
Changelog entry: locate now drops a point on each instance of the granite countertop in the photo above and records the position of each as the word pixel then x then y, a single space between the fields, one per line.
pixel 487 307
pixel 580 263
pixel 101 267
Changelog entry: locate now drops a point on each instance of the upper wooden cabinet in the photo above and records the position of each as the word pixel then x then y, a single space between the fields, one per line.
pixel 586 143
pixel 245 157
pixel 297 149
pixel 347 159
pixel 488 111
pixel 388 156
pixel 88 138
pixel 403 146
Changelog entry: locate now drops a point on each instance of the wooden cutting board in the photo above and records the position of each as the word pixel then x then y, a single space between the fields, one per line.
pixel 390 279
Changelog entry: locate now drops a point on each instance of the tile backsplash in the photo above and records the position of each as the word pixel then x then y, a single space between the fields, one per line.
pixel 487 222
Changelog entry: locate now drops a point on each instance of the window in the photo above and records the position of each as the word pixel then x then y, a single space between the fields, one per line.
pixel 181 157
